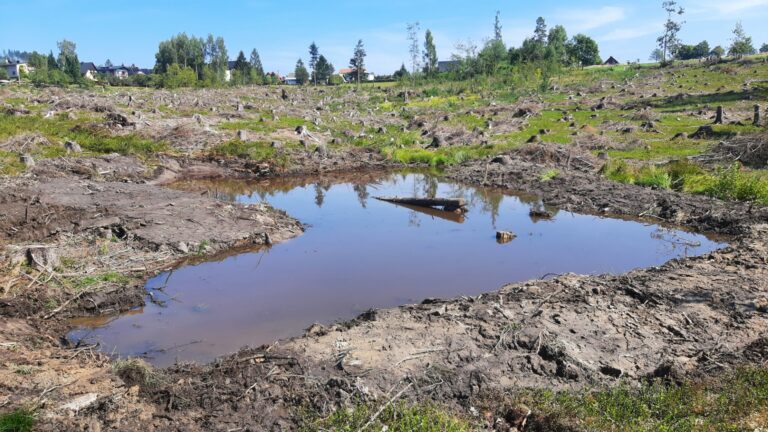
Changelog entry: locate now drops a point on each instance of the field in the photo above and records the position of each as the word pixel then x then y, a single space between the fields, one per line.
pixel 88 217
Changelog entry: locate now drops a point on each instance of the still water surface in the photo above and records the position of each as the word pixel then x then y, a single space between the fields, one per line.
pixel 360 253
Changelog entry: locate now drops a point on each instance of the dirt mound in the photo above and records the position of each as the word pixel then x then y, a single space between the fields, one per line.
pixel 25 143
pixel 751 151
pixel 567 157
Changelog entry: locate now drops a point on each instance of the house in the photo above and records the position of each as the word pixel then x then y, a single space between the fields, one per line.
pixel 15 68
pixel 350 75
pixel 611 61
pixel 290 79
pixel 88 70
pixel 228 72
pixel 120 72
pixel 448 66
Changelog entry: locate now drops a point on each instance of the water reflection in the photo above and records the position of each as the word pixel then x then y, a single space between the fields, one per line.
pixel 360 253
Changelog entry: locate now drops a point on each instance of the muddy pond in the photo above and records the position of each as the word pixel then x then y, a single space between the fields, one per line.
pixel 360 253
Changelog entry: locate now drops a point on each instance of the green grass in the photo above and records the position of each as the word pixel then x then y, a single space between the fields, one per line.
pixel 94 141
pixel 266 124
pixel 20 420
pixel 737 401
pixel 398 417
pixel 549 175
pixel 732 184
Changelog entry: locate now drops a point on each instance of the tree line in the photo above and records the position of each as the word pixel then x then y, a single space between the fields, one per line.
pixel 189 61
pixel 670 47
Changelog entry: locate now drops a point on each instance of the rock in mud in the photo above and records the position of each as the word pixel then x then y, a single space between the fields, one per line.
pixel 27 160
pixel 502 160
pixel 72 147
pixel 80 402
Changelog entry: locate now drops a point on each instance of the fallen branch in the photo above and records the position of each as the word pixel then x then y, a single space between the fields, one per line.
pixel 383 407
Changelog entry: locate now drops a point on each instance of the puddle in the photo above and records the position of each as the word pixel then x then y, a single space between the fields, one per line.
pixel 360 253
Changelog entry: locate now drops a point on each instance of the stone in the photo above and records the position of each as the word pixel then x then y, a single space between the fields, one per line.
pixel 502 160
pixel 242 135
pixel 277 144
pixel 27 160
pixel 80 402
pixel 182 247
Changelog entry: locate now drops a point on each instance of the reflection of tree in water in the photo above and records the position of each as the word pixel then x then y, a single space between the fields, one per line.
pixel 675 240
pixel 362 194
pixel 319 196
pixel 320 189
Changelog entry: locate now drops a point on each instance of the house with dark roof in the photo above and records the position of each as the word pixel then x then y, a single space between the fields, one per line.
pixel 611 61
pixel 88 70
pixel 120 72
pixel 14 68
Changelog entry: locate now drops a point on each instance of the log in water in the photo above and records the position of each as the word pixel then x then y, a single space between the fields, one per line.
pixel 456 205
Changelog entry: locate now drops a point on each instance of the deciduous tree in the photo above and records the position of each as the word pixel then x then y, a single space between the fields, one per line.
pixel 301 72
pixel 668 41
pixel 741 44
pixel 430 54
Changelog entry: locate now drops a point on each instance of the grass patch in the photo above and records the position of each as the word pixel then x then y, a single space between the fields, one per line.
pixel 20 420
pixel 395 418
pixel 93 140
pixel 731 184
pixel 734 402
pixel 265 125
pixel 549 175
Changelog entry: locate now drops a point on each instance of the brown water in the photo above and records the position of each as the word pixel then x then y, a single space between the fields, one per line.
pixel 360 253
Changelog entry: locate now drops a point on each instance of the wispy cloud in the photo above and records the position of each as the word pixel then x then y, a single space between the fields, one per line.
pixel 728 8
pixel 628 33
pixel 589 19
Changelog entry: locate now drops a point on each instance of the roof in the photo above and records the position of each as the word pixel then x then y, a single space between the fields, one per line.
pixel 611 61
pixel 87 66
pixel 231 65
pixel 6 63
pixel 346 71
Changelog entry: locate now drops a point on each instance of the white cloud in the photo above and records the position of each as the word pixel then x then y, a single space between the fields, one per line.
pixel 589 19
pixel 628 33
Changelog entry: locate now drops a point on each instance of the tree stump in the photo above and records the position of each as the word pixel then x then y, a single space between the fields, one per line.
pixel 719 115
pixel 756 120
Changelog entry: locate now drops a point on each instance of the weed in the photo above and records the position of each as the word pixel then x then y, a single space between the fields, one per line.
pixel 549 175
pixel 20 420
pixel 136 372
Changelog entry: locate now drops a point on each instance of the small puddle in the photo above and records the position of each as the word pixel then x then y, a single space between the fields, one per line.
pixel 360 253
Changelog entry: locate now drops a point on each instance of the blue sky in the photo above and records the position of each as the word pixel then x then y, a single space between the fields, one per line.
pixel 129 31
